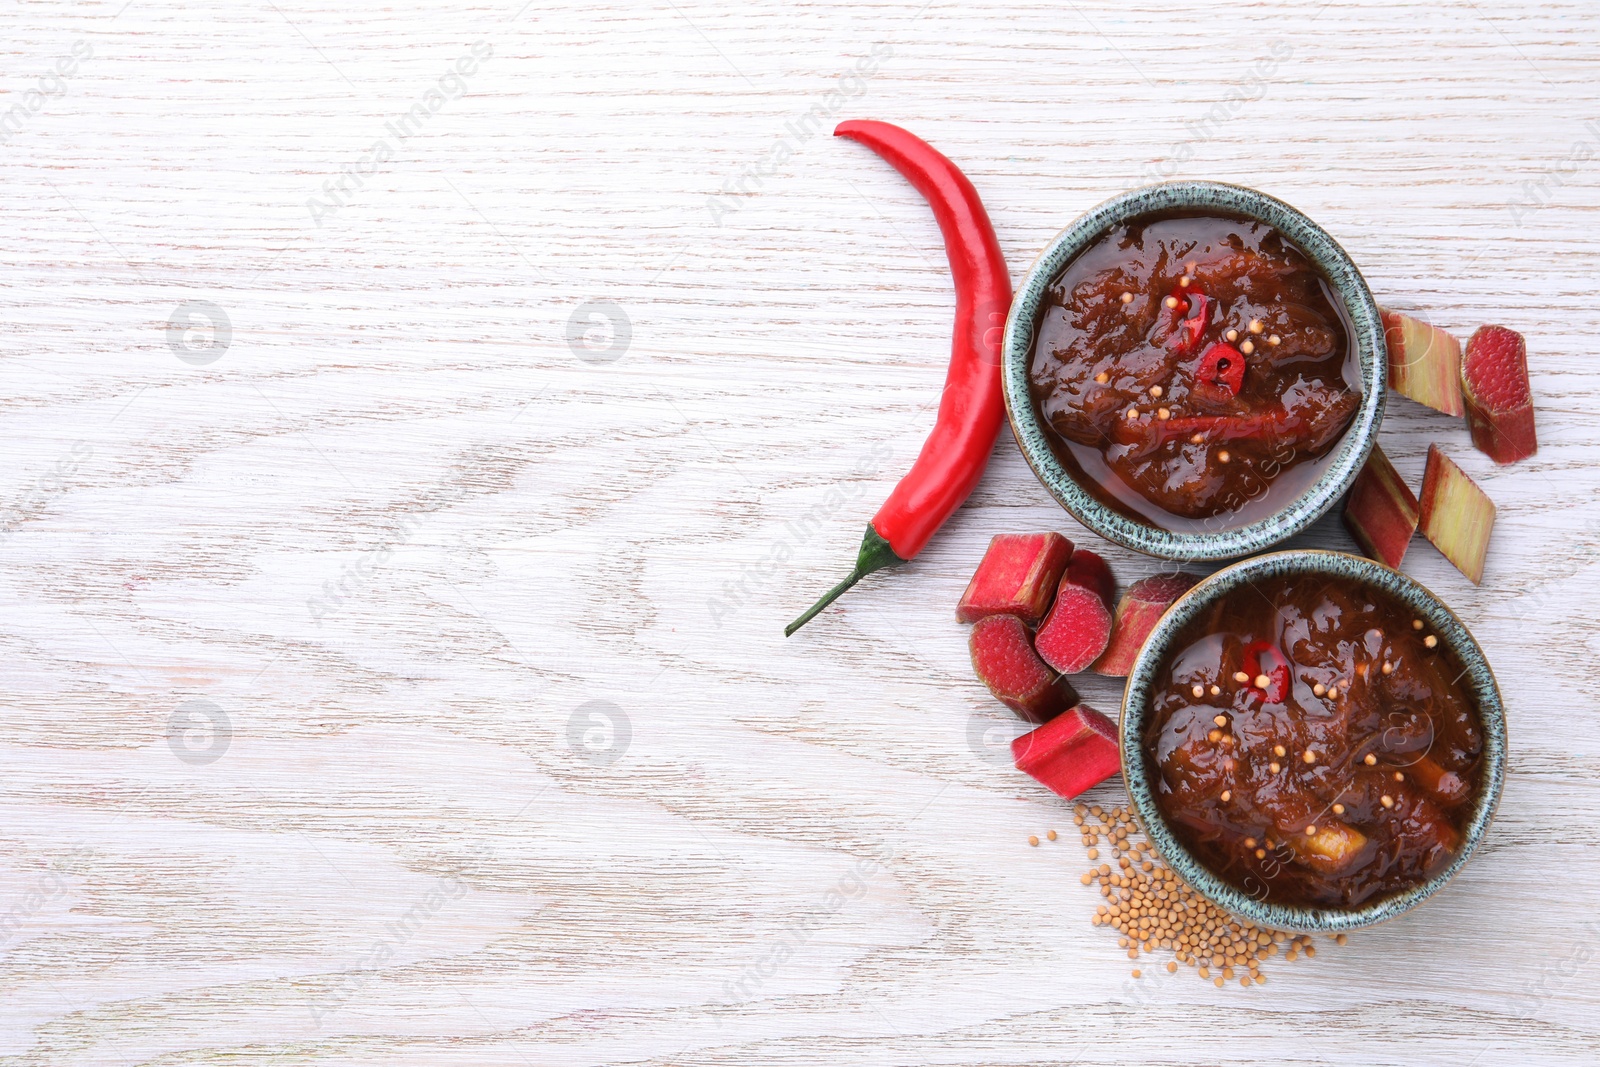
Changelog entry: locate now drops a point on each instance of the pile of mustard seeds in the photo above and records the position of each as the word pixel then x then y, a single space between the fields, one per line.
pixel 1153 909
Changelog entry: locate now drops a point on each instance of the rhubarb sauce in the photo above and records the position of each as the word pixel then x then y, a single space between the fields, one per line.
pixel 1312 745
pixel 1195 371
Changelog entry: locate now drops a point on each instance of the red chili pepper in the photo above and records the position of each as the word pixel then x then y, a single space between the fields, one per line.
pixel 1262 659
pixel 1221 370
pixel 972 409
pixel 1191 329
pixel 1262 427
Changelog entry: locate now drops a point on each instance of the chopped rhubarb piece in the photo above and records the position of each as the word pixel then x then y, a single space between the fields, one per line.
pixel 1494 381
pixel 1447 787
pixel 1140 608
pixel 1457 516
pixel 1381 511
pixel 1221 370
pixel 1421 824
pixel 1424 362
pixel 1017 577
pixel 1004 659
pixel 1332 848
pixel 1078 627
pixel 1091 571
pixel 1071 752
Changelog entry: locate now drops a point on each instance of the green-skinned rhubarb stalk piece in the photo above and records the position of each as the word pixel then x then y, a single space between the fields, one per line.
pixel 1457 516
pixel 1381 512
pixel 1424 363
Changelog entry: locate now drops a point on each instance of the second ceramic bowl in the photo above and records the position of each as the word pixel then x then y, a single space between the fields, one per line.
pixel 1347 457
pixel 1139 775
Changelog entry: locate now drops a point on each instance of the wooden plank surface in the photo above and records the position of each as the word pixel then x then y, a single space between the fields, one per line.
pixel 421 419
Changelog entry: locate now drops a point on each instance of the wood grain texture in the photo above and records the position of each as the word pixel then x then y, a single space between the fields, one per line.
pixel 406 685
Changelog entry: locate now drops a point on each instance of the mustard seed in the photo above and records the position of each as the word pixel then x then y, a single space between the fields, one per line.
pixel 1430 641
pixel 1151 909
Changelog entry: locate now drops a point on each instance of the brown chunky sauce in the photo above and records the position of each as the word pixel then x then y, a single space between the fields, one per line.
pixel 1228 346
pixel 1398 753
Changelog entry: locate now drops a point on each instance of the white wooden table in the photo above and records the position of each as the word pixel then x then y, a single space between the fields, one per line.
pixel 412 452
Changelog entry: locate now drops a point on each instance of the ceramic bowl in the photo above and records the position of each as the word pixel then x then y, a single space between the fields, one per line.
pixel 1138 771
pixel 1343 464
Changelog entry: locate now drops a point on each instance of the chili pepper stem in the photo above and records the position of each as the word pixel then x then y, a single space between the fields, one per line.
pixel 875 555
